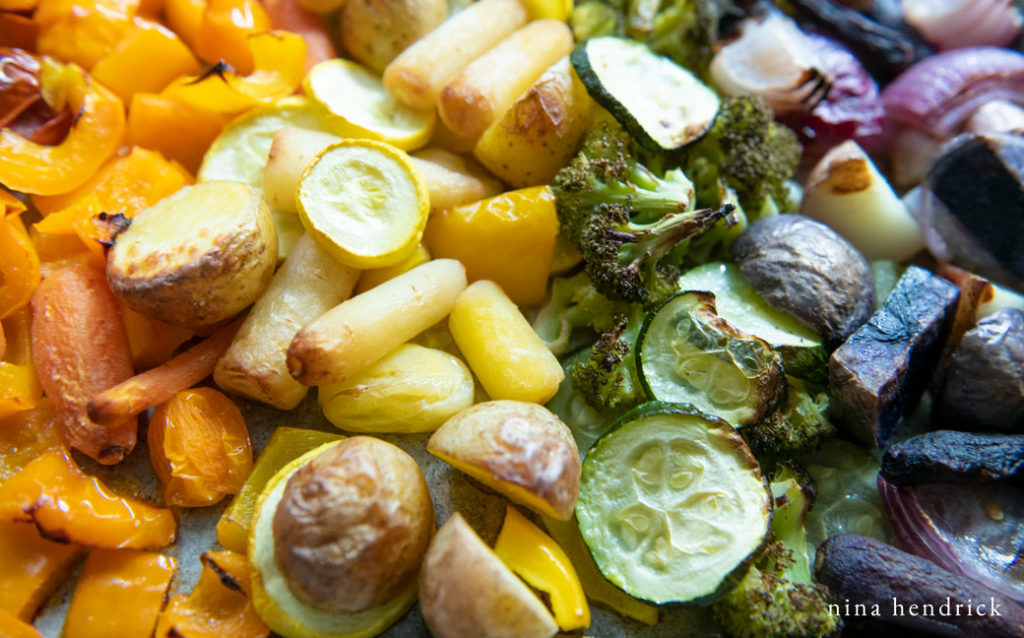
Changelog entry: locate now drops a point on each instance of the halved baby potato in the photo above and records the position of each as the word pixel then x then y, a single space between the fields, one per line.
pixel 274 594
pixel 211 272
pixel 519 449
pixel 465 590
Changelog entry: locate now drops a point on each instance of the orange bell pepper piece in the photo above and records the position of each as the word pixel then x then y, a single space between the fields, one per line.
pixel 179 131
pixel 32 568
pixel 145 61
pixel 80 349
pixel 19 385
pixel 126 184
pixel 289 15
pixel 18 31
pixel 19 266
pixel 508 239
pixel 219 605
pixel 68 505
pixel 199 446
pixel 11 627
pixel 225 29
pixel 83 31
pixel 151 342
pixel 120 593
pixel 9 204
pixel 279 59
pixel 49 170
pixel 27 435
pixel 185 17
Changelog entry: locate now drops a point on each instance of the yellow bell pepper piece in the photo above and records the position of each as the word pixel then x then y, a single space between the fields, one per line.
pixel 11 627
pixel 9 204
pixel 19 266
pixel 539 561
pixel 96 134
pixel 225 27
pixel 285 445
pixel 178 131
pixel 19 385
pixel 120 593
pixel 82 31
pixel 32 567
pixel 185 17
pixel 279 60
pixel 148 58
pixel 548 9
pixel 509 239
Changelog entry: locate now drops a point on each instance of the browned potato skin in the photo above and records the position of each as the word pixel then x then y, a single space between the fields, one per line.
pixel 516 443
pixel 465 590
pixel 353 525
pixel 183 285
pixel 374 32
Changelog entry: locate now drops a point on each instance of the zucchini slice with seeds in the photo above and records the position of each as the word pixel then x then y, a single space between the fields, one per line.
pixel 661 104
pixel 673 505
pixel 686 353
pixel 802 351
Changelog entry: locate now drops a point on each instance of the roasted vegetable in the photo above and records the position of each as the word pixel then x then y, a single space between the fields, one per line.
pixel 806 270
pixel 673 505
pixel 206 275
pixel 746 150
pixel 872 579
pixel 636 86
pixel 465 590
pixel 877 376
pixel 983 388
pixel 520 449
pixel 972 208
pixel 947 456
pixel 800 425
pixel 374 33
pixel 625 219
pixel 608 379
pixel 686 353
pixel 803 354
pixel 777 596
pixel 586 423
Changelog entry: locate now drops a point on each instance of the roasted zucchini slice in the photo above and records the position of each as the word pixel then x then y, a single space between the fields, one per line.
pixel 686 353
pixel 802 351
pixel 661 104
pixel 673 505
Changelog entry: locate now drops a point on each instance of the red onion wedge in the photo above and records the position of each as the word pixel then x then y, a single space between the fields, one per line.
pixel 937 98
pixel 975 530
pixel 954 24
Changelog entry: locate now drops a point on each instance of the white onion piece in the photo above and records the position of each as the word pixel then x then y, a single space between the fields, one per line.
pixel 846 191
pixel 955 24
pixel 774 59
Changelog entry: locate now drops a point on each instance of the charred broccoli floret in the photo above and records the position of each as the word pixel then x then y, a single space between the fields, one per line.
pixel 624 219
pixel 777 598
pixel 572 304
pixel 801 426
pixel 608 379
pixel 746 150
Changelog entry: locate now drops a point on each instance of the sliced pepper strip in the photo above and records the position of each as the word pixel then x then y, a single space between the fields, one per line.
pixel 31 568
pixel 19 384
pixel 279 64
pixel 219 606
pixel 538 560
pixel 50 170
pixel 120 593
pixel 11 627
pixel 19 266
pixel 68 505
pixel 9 204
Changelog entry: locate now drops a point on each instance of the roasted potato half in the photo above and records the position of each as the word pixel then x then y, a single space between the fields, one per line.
pixel 374 32
pixel 465 590
pixel 196 257
pixel 519 449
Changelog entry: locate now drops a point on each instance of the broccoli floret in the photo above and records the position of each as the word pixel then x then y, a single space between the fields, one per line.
pixel 624 218
pixel 608 379
pixel 572 304
pixel 801 426
pixel 777 597
pixel 746 150
pixel 593 19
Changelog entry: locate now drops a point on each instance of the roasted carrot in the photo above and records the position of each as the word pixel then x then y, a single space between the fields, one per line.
pixel 143 391
pixel 291 16
pixel 80 349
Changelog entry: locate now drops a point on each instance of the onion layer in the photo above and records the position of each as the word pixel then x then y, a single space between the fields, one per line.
pixel 974 530
pixel 955 24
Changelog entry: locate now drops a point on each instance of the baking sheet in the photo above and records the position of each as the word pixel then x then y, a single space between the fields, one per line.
pixel 450 490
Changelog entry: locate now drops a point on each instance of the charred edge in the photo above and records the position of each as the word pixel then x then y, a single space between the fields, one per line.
pixel 219 69
pixel 114 224
pixel 113 453
pixel 225 578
